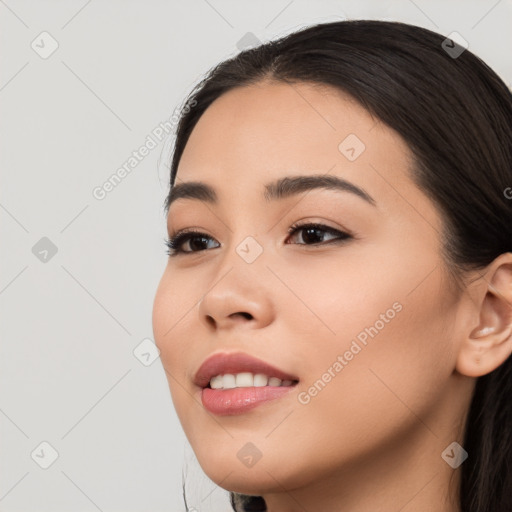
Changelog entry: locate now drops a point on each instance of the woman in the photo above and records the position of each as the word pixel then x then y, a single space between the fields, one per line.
pixel 335 316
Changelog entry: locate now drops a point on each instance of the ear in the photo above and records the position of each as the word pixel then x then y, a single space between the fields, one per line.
pixel 489 344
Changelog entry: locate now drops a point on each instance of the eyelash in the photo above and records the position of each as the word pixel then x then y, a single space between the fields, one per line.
pixel 174 243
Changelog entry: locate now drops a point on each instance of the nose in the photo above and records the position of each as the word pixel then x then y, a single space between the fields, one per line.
pixel 240 298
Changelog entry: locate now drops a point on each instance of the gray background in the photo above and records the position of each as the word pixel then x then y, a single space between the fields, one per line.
pixel 70 322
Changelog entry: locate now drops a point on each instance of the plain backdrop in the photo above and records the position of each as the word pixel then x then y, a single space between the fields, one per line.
pixel 82 85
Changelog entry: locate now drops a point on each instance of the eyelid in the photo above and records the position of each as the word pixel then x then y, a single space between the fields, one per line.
pixel 306 221
pixel 193 230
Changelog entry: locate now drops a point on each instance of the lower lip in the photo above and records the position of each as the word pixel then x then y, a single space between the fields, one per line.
pixel 239 400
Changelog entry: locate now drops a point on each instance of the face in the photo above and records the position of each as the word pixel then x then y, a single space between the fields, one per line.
pixel 359 310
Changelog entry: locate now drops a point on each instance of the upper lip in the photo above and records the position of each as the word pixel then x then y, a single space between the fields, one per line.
pixel 233 363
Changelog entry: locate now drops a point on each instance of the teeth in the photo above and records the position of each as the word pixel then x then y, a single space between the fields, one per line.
pixel 216 382
pixel 246 380
pixel 228 381
pixel 274 381
pixel 243 380
pixel 260 380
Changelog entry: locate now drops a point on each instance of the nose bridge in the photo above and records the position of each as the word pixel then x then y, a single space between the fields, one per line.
pixel 248 244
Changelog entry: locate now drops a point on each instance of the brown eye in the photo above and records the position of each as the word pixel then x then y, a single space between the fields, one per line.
pixel 314 233
pixel 197 241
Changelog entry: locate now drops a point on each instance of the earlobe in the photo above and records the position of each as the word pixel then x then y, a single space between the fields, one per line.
pixel 489 344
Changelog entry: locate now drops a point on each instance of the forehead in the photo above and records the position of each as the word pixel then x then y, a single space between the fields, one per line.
pixel 253 135
pixel 272 122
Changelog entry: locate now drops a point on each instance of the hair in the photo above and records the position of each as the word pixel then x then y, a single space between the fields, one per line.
pixel 455 114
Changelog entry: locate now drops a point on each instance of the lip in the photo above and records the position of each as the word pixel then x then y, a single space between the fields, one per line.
pixel 228 402
pixel 222 363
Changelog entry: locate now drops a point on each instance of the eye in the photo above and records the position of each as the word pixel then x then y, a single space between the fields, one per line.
pixel 195 238
pixel 313 235
pixel 312 232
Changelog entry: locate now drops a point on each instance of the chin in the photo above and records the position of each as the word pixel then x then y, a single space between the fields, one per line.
pixel 267 475
pixel 246 482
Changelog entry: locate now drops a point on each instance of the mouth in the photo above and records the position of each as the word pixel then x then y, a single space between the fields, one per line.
pixel 228 370
pixel 237 383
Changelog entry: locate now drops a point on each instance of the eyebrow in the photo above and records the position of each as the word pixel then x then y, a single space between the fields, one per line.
pixel 279 189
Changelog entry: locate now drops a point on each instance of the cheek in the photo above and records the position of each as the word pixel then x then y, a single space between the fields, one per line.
pixel 174 320
pixel 390 319
pixel 173 299
pixel 396 363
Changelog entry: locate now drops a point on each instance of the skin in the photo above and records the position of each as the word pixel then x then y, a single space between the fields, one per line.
pixel 372 438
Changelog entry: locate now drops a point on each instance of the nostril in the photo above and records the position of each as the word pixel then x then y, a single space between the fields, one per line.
pixel 248 316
